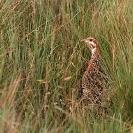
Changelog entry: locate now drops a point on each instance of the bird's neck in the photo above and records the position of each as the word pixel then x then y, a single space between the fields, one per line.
pixel 95 54
pixel 95 59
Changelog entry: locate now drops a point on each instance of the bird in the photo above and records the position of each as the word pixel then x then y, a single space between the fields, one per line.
pixel 94 81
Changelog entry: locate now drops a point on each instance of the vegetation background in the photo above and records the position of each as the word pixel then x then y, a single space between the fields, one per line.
pixel 42 60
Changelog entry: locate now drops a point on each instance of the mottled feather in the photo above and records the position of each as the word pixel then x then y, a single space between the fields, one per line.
pixel 94 81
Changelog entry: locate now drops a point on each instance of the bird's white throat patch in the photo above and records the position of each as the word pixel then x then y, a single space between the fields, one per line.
pixel 93 52
pixel 92 43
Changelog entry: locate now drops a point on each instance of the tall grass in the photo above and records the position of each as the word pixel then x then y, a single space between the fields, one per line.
pixel 42 61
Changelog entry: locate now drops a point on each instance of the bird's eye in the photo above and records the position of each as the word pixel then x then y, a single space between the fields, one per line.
pixel 90 40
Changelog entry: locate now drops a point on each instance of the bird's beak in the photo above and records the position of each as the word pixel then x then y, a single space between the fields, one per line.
pixel 83 40
pixel 86 41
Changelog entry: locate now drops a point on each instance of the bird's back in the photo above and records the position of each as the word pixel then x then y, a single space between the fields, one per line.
pixel 94 85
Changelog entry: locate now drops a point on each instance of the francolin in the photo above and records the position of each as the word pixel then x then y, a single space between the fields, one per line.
pixel 94 81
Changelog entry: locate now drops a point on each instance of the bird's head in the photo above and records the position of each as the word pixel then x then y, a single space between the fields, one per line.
pixel 91 42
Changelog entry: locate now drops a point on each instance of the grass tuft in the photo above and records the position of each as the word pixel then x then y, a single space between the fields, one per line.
pixel 42 61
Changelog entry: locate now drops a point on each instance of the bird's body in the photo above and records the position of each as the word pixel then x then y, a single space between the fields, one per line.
pixel 94 81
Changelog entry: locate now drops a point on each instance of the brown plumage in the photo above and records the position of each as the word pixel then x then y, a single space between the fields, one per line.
pixel 94 81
